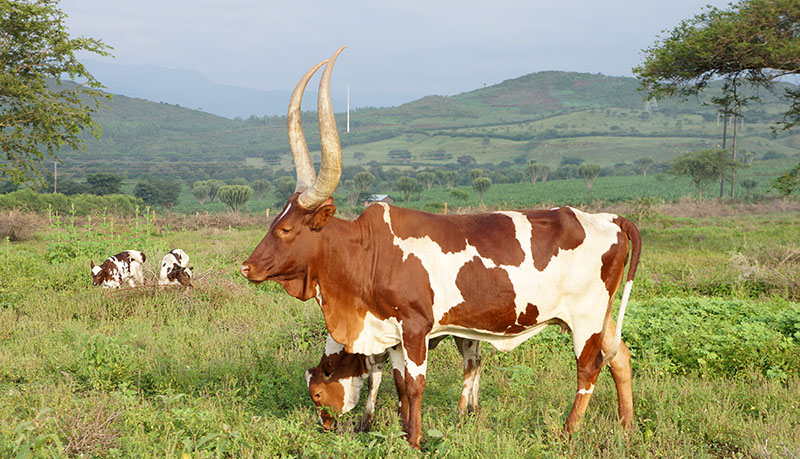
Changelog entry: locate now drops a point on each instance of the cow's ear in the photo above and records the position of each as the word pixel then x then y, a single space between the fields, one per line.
pixel 323 215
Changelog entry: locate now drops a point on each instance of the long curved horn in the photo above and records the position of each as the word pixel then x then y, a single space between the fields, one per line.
pixel 306 176
pixel 331 169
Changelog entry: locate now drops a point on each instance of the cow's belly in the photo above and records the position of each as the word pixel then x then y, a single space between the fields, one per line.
pixel 501 342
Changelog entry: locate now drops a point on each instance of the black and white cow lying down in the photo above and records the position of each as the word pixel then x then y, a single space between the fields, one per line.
pixel 175 269
pixel 335 384
pixel 122 268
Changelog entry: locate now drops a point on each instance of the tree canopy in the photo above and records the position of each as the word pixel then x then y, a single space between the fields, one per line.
pixel 703 167
pixel 754 41
pixel 38 112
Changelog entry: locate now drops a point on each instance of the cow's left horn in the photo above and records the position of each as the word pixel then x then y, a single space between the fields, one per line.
pixel 297 141
pixel 331 168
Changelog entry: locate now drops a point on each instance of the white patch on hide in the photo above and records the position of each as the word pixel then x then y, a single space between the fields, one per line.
pixel 332 347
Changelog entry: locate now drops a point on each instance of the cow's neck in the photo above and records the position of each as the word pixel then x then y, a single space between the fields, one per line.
pixel 344 277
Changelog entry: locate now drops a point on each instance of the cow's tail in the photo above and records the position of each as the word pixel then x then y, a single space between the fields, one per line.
pixel 632 233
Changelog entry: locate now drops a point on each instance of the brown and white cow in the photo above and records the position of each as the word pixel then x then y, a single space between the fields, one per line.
pixel 335 383
pixel 175 269
pixel 396 276
pixel 122 268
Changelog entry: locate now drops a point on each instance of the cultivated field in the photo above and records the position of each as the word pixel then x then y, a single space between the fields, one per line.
pixel 217 371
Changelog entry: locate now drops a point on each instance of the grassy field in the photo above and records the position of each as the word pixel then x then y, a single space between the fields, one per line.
pixel 217 371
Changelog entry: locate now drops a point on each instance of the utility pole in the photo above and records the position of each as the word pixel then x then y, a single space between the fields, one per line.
pixel 55 177
pixel 348 108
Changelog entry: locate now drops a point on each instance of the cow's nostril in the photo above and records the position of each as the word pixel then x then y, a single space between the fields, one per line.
pixel 245 270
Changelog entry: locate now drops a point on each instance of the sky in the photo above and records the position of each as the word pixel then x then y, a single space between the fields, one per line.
pixel 398 51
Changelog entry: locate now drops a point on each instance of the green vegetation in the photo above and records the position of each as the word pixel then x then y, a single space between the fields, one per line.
pixel 39 115
pixel 714 327
pixel 235 196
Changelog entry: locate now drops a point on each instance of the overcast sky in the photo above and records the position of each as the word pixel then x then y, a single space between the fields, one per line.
pixel 398 51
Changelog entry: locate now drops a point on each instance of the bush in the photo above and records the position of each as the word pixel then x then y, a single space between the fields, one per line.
pixel 82 204
pixel 18 226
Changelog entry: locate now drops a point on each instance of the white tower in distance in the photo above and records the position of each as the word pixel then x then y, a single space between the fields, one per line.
pixel 348 108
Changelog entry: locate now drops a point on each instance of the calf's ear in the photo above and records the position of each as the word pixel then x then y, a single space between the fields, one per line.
pixel 323 215
pixel 91 264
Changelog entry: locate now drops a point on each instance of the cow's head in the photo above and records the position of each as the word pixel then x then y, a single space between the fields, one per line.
pixel 335 384
pixel 180 274
pixel 99 274
pixel 288 251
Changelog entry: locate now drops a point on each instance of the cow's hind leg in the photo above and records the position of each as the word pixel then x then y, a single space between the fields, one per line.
pixel 589 362
pixel 620 367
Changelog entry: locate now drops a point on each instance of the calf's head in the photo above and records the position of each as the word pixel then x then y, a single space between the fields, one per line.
pixel 335 384
pixel 100 273
pixel 289 249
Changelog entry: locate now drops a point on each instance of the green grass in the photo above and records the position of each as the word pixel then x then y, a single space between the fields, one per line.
pixel 217 371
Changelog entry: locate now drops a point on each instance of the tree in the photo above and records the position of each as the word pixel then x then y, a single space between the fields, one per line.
pixel 481 185
pixel 235 196
pixel 450 178
pixel 475 173
pixel 643 164
pixel 213 187
pixel 261 187
pixel 589 173
pixel 239 181
pixel 38 112
pixel 703 167
pixel 158 192
pixel 407 185
pixel 284 188
pixel 363 180
pixel 754 40
pixel 352 191
pixel 534 171
pixel 201 190
pixel 427 179
pixel 789 182
pixel 103 183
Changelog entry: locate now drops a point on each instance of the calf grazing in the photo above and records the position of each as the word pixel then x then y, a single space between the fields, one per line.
pixel 123 268
pixel 401 277
pixel 335 384
pixel 175 269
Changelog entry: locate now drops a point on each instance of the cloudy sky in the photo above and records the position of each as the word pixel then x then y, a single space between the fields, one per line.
pixel 398 51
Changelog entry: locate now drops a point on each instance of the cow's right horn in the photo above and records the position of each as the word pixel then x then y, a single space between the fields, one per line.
pixel 331 168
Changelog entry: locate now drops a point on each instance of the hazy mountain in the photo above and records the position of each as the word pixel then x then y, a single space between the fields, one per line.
pixel 191 89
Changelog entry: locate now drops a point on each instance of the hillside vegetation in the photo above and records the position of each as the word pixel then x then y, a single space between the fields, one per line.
pixel 543 116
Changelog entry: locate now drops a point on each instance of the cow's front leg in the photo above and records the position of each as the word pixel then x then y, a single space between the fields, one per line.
pixel 416 362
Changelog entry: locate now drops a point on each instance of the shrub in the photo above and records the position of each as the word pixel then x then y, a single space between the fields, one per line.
pixel 18 226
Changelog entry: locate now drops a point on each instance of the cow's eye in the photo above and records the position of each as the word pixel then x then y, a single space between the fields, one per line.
pixel 317 396
pixel 286 230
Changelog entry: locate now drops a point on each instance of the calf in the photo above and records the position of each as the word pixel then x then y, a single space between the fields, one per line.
pixel 175 269
pixel 335 384
pixel 123 268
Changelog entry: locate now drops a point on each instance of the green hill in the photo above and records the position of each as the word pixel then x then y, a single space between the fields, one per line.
pixel 544 116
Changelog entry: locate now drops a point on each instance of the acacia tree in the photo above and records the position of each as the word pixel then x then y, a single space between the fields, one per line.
pixel 534 171
pixel 261 187
pixel 481 185
pixel 643 164
pixel 703 167
pixel 755 42
pixel 38 113
pixel 589 173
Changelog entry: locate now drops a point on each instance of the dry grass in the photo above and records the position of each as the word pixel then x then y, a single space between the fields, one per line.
pixel 19 226
pixel 88 432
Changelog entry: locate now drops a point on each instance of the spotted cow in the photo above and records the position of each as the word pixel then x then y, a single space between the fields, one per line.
pixel 175 269
pixel 335 384
pixel 122 268
pixel 400 277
